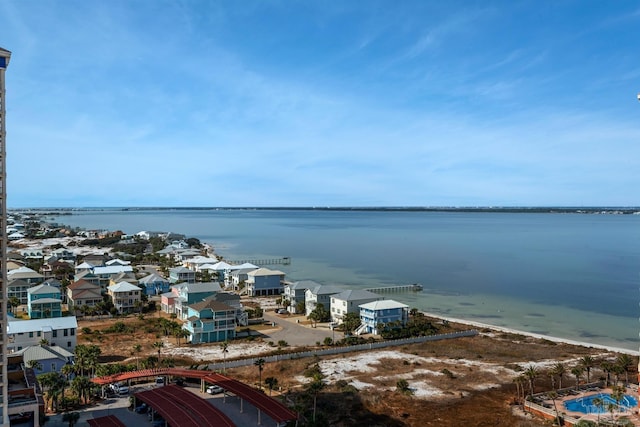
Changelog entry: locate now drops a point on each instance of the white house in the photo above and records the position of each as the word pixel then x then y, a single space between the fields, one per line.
pixel 320 294
pixel 349 302
pixel 124 296
pixel 60 331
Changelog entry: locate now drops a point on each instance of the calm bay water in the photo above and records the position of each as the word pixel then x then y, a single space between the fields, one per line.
pixel 573 276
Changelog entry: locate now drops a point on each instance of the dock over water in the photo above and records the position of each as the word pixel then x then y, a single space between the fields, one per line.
pixel 271 261
pixel 415 287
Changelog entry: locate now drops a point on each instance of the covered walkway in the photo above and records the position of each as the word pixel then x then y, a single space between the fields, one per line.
pixel 179 407
pixel 279 412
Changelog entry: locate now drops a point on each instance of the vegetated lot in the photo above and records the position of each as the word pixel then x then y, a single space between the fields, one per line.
pixel 457 382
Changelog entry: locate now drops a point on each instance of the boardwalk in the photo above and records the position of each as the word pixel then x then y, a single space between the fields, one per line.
pixel 415 287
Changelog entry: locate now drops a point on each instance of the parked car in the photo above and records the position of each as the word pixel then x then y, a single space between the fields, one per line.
pixel 281 311
pixel 160 380
pixel 120 389
pixel 142 409
pixel 214 389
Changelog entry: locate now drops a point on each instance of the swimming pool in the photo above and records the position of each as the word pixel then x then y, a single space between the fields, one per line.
pixel 586 405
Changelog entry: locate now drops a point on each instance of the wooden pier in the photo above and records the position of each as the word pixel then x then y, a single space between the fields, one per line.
pixel 415 287
pixel 282 261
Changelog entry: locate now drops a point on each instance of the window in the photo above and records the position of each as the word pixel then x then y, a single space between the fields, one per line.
pixel 55 334
pixel 39 334
pixel 30 334
pixel 65 332
pixel 53 367
pixel 68 344
pixel 73 332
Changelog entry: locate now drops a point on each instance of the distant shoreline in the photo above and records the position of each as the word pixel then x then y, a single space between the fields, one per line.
pixel 531 334
pixel 598 210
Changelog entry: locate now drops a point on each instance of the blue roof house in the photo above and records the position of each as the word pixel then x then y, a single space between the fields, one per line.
pixel 210 321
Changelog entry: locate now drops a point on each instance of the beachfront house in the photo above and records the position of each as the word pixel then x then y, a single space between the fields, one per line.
pixel 181 275
pixel 125 296
pixel 319 294
pixel 198 261
pixel 82 294
pixel 349 301
pixel 294 295
pixel 264 282
pixel 210 321
pixel 154 284
pixel 60 331
pixel 382 313
pixel 44 301
pixel 216 270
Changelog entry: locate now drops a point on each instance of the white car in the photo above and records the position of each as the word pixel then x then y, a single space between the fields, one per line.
pixel 214 389
pixel 120 389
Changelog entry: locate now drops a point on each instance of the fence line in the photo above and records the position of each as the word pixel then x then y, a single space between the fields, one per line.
pixel 339 350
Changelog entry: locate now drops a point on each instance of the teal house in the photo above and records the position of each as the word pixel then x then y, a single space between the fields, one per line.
pixel 210 321
pixel 44 301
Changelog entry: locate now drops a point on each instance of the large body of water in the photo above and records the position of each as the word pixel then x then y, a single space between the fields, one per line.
pixel 573 276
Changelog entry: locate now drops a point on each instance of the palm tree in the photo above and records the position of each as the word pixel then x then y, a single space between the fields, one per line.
pixel 260 364
pixel 598 402
pixel 577 372
pixel 35 365
pixel 137 348
pixel 531 373
pixel 81 386
pixel 624 361
pixel 13 302
pixel 179 333
pixel 519 381
pixel 271 382
pixel 607 367
pixel 559 369
pixel 587 362
pixel 553 395
pixel 315 387
pixel 158 345
pixel 225 349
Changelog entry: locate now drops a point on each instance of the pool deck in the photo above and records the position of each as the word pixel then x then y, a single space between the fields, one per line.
pixel 572 395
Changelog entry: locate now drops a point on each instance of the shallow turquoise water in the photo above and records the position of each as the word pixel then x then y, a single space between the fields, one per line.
pixel 573 276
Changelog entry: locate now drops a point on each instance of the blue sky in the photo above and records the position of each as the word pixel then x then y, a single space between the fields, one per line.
pixel 322 103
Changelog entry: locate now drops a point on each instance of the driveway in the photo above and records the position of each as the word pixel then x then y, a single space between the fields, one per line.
pixel 297 334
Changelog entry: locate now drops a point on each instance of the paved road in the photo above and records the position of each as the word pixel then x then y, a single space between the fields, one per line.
pixel 297 334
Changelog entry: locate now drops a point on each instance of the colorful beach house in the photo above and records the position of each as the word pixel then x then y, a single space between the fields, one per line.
pixel 264 282
pixel 44 301
pixel 191 293
pixel 384 313
pixel 210 321
pixel 154 284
